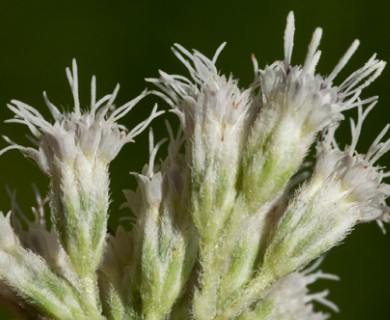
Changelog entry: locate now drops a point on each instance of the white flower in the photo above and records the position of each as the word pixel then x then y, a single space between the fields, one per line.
pixel 150 182
pixel 93 134
pixel 310 100
pixel 39 237
pixel 27 275
pixel 75 152
pixel 362 181
pixel 209 100
pixel 346 188
pixel 214 113
pixel 295 104
pixel 289 298
pixel 212 108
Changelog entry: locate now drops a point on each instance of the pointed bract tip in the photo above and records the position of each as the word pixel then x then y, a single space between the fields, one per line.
pixel 218 52
pixel 290 17
pixel 289 37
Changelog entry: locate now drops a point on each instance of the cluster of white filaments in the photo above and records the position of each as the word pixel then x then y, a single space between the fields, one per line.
pixel 291 298
pixel 40 238
pixel 208 97
pixel 361 178
pixel 308 96
pixel 94 133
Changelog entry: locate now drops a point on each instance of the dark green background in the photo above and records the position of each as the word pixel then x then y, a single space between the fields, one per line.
pixel 125 41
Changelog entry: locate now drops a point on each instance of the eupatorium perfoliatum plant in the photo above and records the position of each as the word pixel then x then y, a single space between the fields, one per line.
pixel 227 225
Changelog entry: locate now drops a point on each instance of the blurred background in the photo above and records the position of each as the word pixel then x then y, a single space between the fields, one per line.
pixel 127 40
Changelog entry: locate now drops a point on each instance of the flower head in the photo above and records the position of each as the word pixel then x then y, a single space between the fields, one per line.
pixel 362 181
pixel 94 133
pixel 214 114
pixel 309 99
pixel 289 298
pixel 295 104
pixel 346 188
pixel 212 108
pixel 75 152
pixel 208 99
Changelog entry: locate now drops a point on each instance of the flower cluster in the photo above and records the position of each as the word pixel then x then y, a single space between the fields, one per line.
pixel 226 225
